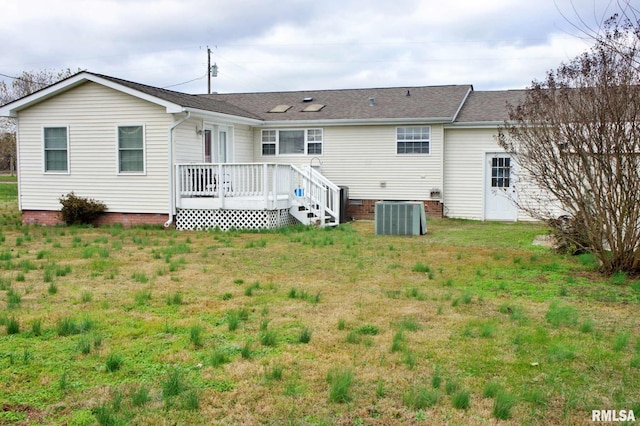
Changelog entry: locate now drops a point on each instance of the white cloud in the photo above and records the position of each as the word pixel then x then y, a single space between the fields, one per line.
pixel 292 44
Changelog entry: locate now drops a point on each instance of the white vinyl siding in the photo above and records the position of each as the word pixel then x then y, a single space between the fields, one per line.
pixel 92 113
pixel 131 153
pixel 364 158
pixel 242 144
pixel 464 172
pixel 56 149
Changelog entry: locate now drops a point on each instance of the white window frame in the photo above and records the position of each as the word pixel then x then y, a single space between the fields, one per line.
pixel 311 136
pixel 426 140
pixel 144 151
pixel 44 151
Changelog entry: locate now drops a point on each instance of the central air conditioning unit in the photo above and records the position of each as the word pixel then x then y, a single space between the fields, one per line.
pixel 400 218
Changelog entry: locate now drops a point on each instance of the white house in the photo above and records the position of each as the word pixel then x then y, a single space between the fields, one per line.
pixel 260 159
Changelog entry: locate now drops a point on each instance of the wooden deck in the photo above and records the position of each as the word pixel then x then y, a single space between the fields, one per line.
pixel 309 196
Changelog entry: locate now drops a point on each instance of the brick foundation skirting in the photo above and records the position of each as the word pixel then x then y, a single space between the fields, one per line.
pixel 366 209
pixel 50 218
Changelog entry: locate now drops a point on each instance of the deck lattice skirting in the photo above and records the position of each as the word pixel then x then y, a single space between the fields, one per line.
pixel 193 219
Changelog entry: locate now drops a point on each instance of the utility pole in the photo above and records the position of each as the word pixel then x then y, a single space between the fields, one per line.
pixel 212 71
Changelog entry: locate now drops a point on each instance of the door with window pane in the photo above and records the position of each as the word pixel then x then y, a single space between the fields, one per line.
pixel 500 192
pixel 217 145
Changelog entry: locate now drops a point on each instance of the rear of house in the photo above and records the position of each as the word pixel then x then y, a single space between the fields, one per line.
pixel 157 156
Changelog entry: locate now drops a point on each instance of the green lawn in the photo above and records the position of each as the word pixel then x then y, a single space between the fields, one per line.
pixel 469 324
pixel 8 178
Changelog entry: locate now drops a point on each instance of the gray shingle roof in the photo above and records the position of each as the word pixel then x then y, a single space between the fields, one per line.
pixel 183 99
pixel 428 103
pixel 487 106
pixel 432 102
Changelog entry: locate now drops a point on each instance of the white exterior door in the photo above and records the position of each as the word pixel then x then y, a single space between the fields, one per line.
pixel 500 192
pixel 217 144
pixel 222 145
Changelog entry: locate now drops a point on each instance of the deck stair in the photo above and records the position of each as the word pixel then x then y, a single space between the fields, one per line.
pixel 316 199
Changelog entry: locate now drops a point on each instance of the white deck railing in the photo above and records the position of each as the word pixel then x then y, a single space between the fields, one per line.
pixel 256 186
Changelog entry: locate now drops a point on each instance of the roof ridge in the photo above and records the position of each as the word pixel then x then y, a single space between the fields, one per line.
pixel 334 90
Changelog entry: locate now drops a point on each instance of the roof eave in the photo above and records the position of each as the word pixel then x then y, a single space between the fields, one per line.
pixel 357 121
pixel 477 124
pixel 11 109
pixel 222 116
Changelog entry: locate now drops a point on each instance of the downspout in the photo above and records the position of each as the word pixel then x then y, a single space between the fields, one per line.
pixel 171 183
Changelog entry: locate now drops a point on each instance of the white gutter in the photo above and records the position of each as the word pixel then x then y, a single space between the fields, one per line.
pixel 356 122
pixel 171 184
pixel 211 115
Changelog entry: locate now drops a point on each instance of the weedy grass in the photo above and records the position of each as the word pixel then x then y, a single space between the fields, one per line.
pixel 377 327
pixel 340 382
pixel 420 397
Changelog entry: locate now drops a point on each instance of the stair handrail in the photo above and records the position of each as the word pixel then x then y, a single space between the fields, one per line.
pixel 321 196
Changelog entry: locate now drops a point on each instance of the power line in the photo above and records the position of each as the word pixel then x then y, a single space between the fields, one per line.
pixel 185 82
pixel 24 79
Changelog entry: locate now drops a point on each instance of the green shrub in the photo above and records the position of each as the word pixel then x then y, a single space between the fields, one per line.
pixel 80 210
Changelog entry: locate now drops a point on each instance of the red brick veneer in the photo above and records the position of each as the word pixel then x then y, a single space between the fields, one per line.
pixel 367 209
pixel 48 218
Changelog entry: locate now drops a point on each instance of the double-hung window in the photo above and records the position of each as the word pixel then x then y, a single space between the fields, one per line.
pixel 292 142
pixel 56 149
pixel 131 149
pixel 413 140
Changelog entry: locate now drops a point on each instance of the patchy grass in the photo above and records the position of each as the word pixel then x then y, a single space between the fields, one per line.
pixel 137 330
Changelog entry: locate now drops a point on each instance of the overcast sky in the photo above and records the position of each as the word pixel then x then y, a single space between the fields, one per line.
pixel 298 44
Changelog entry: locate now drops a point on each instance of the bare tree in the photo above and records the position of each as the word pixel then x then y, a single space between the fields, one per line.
pixel 28 82
pixel 576 138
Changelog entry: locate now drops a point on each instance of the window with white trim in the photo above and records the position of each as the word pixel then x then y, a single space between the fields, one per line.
pixel 131 149
pixel 292 142
pixel 56 149
pixel 413 140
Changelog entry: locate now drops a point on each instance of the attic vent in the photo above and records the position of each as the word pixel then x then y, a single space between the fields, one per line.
pixel 281 108
pixel 314 108
pixel 307 99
